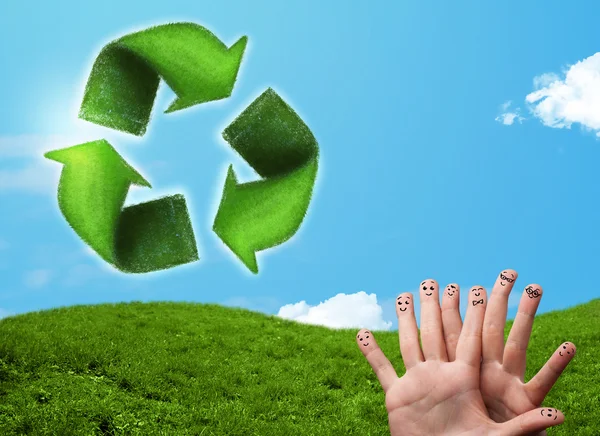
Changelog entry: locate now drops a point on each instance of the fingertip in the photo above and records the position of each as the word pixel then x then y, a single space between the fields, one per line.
pixel 552 416
pixel 428 288
pixel 452 287
pixel 507 278
pixel 451 295
pixel 534 290
pixel 427 283
pixel 567 349
pixel 404 302
pixel 477 296
pixel 365 339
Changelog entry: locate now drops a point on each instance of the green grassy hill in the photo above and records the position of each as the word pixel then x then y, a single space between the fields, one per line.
pixel 194 369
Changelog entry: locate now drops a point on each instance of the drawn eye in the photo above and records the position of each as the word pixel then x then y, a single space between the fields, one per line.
pixel 431 288
pixel 424 288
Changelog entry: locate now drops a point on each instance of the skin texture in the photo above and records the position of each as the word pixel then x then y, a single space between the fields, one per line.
pixel 439 394
pixel 502 385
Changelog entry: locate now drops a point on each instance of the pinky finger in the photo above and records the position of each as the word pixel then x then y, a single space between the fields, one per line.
pixel 534 421
pixel 381 365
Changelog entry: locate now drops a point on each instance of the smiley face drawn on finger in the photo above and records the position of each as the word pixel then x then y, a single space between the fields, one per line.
pixel 549 413
pixel 399 301
pixel 451 290
pixel 428 287
pixel 506 277
pixel 364 338
pixel 533 291
pixel 477 291
pixel 566 348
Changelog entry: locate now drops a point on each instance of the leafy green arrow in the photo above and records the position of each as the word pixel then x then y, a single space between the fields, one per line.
pixel 280 147
pixel 124 80
pixel 140 238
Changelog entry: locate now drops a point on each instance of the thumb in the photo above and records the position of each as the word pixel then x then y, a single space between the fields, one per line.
pixel 535 420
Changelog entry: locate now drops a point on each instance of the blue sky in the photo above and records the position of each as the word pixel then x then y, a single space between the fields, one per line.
pixel 456 140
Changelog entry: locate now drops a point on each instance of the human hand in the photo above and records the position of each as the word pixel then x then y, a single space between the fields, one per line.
pixel 437 396
pixel 502 384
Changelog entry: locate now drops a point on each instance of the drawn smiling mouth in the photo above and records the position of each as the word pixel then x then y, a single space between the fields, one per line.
pixel 429 294
pixel 403 310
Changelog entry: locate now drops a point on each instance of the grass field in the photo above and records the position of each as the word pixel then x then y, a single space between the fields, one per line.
pixel 193 369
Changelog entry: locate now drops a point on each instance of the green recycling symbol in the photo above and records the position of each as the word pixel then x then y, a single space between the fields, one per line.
pixel 158 234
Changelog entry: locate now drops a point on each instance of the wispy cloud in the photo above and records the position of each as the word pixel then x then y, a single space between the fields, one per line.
pixel 29 171
pixel 514 298
pixel 4 313
pixel 81 273
pixel 508 117
pixel 25 169
pixel 37 278
pixel 561 100
pixel 341 311
pixel 257 304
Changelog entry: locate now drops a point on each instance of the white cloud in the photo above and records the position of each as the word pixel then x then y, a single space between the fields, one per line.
pixel 341 311
pixel 37 278
pixel 509 117
pixel 575 99
pixel 4 313
pixel 561 102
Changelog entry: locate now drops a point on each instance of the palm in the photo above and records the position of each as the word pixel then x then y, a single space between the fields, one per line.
pixel 504 394
pixel 444 395
pixel 440 394
pixel 502 385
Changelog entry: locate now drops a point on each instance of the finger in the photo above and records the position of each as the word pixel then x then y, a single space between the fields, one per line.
pixel 468 348
pixel 535 420
pixel 515 351
pixel 432 336
pixel 408 334
pixel 538 387
pixel 381 365
pixel 495 316
pixel 451 321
